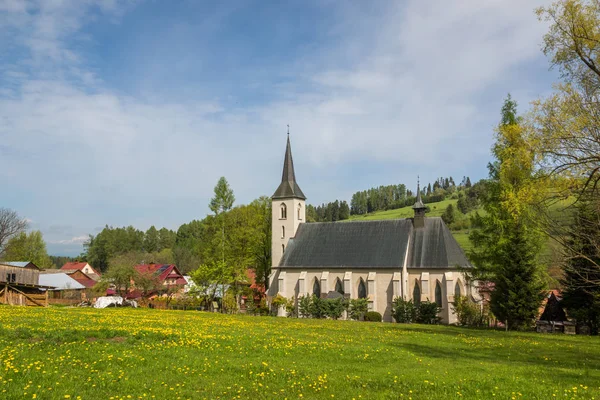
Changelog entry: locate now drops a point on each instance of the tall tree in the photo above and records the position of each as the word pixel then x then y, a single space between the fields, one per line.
pixel 151 240
pixel 28 247
pixel 10 225
pixel 506 247
pixel 581 280
pixel 220 204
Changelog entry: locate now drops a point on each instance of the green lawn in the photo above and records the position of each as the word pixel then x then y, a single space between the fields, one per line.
pixel 436 210
pixel 59 353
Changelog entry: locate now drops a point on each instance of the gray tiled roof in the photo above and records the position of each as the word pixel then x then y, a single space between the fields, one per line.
pixel 434 247
pixel 288 187
pixel 373 244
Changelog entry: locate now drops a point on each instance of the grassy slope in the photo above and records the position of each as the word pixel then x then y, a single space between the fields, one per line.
pixel 437 209
pixel 116 353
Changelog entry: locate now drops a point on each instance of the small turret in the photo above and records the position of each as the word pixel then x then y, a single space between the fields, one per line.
pixel 419 209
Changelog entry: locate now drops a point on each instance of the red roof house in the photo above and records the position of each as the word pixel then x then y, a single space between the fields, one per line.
pixel 83 267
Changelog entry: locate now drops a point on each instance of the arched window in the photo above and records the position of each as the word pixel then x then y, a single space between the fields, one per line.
pixel 317 288
pixel 362 289
pixel 438 293
pixel 283 211
pixel 283 232
pixel 338 286
pixel 416 293
pixel 457 290
pixel 299 209
pixel 282 248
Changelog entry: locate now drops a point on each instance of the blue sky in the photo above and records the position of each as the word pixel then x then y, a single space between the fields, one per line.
pixel 127 112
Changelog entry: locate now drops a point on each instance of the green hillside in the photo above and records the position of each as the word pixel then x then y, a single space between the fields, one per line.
pixel 550 252
pixel 436 210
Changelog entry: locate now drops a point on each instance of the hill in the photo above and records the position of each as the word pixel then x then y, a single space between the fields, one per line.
pixel 436 210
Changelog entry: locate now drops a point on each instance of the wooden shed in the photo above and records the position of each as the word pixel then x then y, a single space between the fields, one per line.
pixel 19 273
pixel 19 284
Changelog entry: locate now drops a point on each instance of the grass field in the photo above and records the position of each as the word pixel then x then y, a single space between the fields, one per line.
pixel 60 353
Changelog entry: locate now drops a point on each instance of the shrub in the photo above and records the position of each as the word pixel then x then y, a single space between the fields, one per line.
pixel 358 308
pixel 318 307
pixel 467 312
pixel 304 304
pixel 278 302
pixel 334 308
pixel 404 311
pixel 373 316
pixel 290 307
pixel 428 313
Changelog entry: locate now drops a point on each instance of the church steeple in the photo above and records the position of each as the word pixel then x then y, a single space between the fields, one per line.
pixel 419 209
pixel 288 188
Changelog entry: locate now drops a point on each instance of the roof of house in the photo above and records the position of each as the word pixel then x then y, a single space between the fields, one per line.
pixel 163 271
pixel 374 244
pixel 288 188
pixel 60 281
pixel 19 264
pixel 78 265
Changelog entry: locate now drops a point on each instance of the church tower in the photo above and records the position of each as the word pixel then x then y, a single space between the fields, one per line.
pixel 419 209
pixel 288 208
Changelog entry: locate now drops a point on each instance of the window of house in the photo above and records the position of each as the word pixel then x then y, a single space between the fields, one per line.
pixel 456 291
pixel 317 288
pixel 362 289
pixel 299 208
pixel 14 277
pixel 283 211
pixel 438 293
pixel 283 232
pixel 416 293
pixel 283 248
pixel 338 286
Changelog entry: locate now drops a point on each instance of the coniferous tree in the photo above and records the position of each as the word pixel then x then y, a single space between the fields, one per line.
pixel 581 280
pixel 506 247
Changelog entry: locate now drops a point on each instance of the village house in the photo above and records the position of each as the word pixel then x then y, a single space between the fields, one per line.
pixel 83 267
pixel 414 258
pixel 162 278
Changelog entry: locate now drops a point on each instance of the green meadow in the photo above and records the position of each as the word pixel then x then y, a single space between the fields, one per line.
pixel 84 353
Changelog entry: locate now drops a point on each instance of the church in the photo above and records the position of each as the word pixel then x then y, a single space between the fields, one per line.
pixel 413 258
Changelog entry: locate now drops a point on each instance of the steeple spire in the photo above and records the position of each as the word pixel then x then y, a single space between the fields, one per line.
pixel 419 208
pixel 288 188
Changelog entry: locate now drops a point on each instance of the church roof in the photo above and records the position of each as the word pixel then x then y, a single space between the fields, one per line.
pixel 373 244
pixel 288 188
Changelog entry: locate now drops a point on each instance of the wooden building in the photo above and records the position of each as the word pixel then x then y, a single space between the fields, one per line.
pixel 19 284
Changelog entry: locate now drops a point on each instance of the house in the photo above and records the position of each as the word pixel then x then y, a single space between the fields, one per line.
pixel 19 284
pixel 64 289
pixel 83 267
pixel 162 278
pixel 76 274
pixel 414 258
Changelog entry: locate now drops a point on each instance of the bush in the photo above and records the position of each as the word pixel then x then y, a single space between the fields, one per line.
pixel 404 311
pixel 318 307
pixel 428 313
pixel 334 308
pixel 358 308
pixel 467 312
pixel 373 316
pixel 277 302
pixel 304 304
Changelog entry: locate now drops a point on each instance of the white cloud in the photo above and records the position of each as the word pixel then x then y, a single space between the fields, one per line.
pixel 74 240
pixel 415 84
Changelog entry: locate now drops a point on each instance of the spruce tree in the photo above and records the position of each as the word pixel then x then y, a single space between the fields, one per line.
pixel 506 247
pixel 581 280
